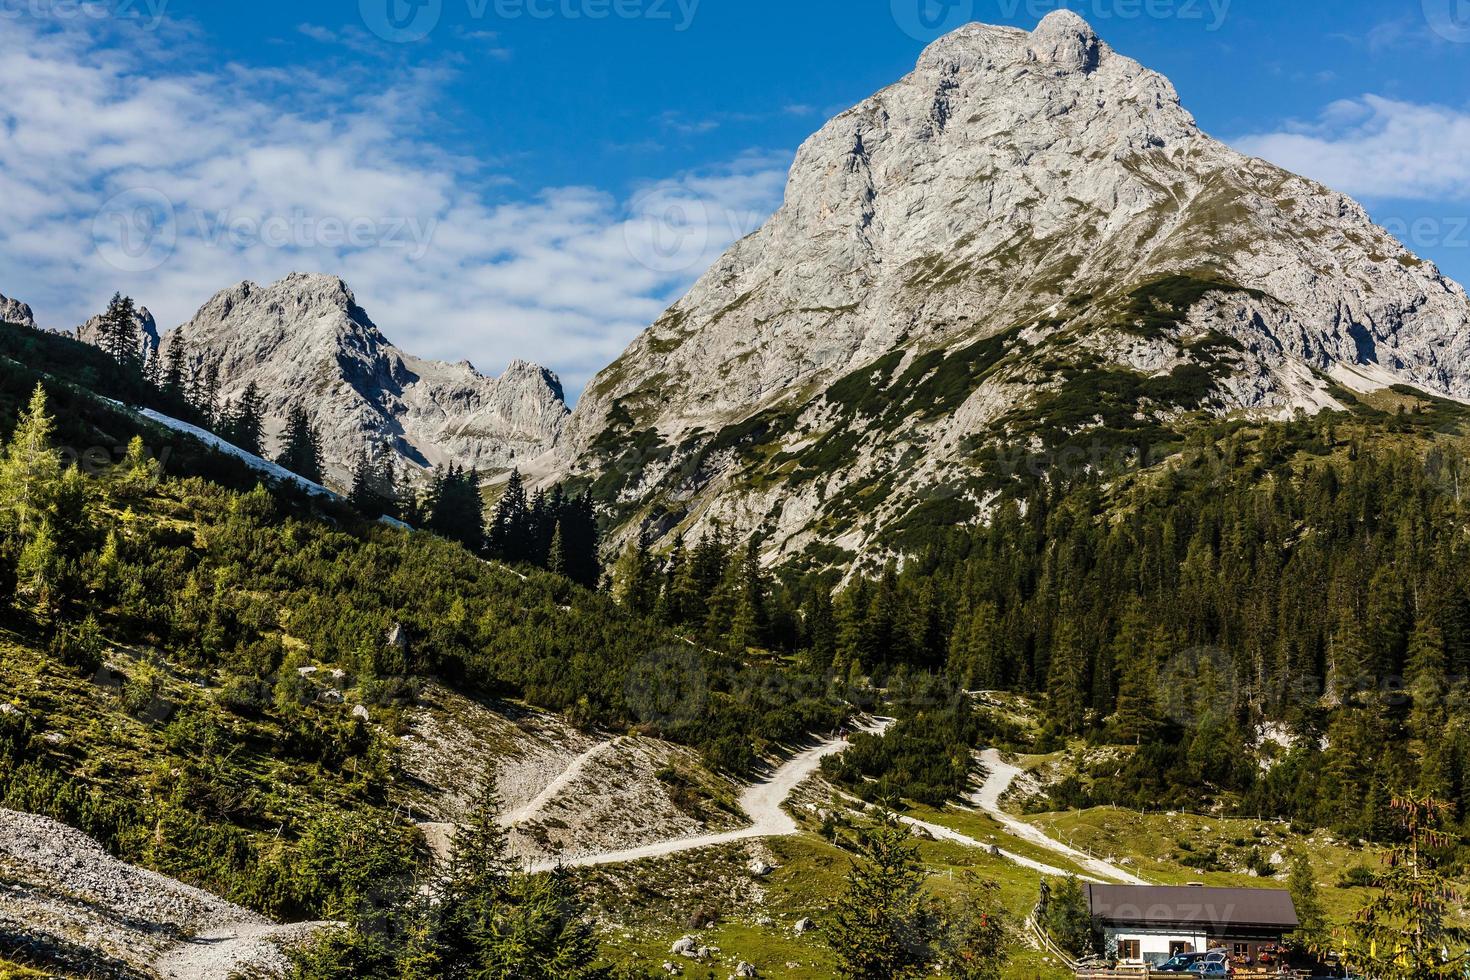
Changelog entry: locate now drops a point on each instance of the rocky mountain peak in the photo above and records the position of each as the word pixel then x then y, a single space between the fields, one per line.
pixel 1026 216
pixel 1067 42
pixel 304 340
pixel 14 311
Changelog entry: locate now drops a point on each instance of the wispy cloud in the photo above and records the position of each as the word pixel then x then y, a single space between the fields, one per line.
pixel 328 172
pixel 1376 147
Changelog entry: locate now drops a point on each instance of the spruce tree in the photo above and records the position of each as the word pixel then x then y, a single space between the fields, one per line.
pixel 30 472
pixel 1312 931
pixel 883 926
pixel 118 331
pixel 557 560
pixel 1066 685
pixel 301 451
pixel 510 528
pixel 1408 931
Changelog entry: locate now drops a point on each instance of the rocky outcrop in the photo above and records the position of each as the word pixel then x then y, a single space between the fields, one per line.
pixel 1023 213
pixel 305 341
pixel 14 311
pixel 70 902
pixel 147 328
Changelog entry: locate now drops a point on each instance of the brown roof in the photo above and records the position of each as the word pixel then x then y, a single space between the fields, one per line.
pixel 1180 906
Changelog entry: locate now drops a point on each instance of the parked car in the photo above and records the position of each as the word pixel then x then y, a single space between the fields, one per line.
pixel 1181 963
pixel 1214 969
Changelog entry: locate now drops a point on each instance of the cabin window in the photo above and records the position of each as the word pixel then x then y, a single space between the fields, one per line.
pixel 1242 949
pixel 1178 949
pixel 1130 949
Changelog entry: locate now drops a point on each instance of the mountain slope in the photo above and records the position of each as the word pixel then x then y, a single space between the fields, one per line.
pixel 1025 248
pixel 305 341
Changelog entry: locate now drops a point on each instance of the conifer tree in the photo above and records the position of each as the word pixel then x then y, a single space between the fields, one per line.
pixel 1302 883
pixel 1408 931
pixel 557 561
pixel 1067 680
pixel 510 528
pixel 30 472
pixel 635 582
pixel 118 331
pixel 883 926
pixel 301 451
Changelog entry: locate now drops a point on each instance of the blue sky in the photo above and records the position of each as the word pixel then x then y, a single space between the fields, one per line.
pixel 539 178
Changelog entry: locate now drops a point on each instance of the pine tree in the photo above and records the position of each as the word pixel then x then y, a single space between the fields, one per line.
pixel 1312 930
pixel 371 495
pixel 540 932
pixel 557 560
pixel 30 472
pixel 478 874
pixel 748 627
pixel 1408 930
pixel 243 423
pixel 635 582
pixel 1428 684
pixel 883 926
pixel 1066 685
pixel 171 379
pixel 976 934
pixel 510 529
pixel 301 451
pixel 118 331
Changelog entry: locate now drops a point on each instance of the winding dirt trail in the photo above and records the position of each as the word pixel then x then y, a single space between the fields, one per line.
pixel 1001 775
pixel 561 782
pixel 762 802
pixel 233 950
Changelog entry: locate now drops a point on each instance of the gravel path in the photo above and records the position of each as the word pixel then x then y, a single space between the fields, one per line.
pixel 554 788
pixel 69 891
pixel 987 798
pixel 227 952
pixel 762 802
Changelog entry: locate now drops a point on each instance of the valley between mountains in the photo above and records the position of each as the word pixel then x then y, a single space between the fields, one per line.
pixel 1048 499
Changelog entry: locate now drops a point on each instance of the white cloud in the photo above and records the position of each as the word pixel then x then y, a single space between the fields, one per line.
pixel 265 173
pixel 1377 147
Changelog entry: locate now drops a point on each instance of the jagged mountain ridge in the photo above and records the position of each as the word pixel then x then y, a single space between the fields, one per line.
pixel 1026 222
pixel 14 311
pixel 305 341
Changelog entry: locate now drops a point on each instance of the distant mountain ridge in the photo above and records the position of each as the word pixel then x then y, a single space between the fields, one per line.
pixel 305 341
pixel 1024 245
